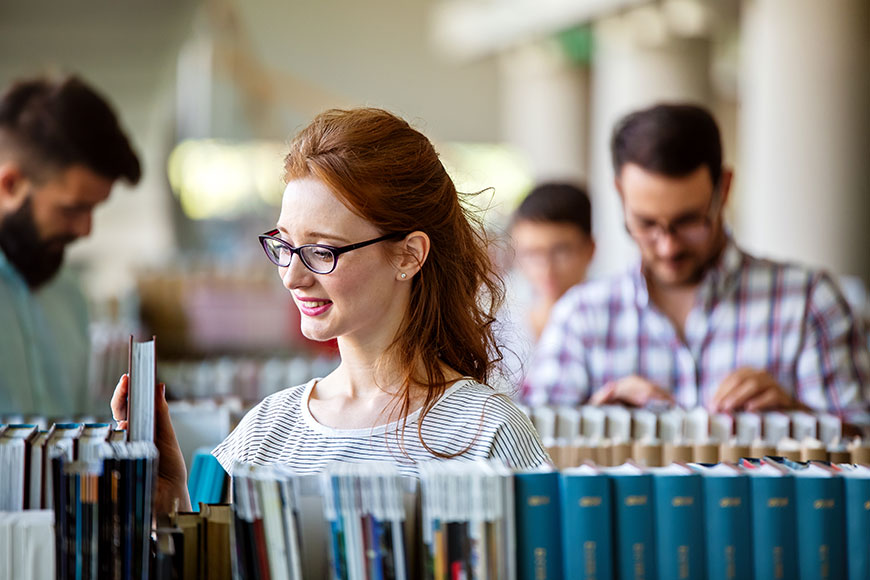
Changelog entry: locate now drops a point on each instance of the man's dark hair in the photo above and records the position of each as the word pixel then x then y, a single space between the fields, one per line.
pixel 558 203
pixel 50 125
pixel 671 139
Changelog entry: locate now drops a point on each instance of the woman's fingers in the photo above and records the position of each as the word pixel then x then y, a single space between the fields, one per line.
pixel 119 399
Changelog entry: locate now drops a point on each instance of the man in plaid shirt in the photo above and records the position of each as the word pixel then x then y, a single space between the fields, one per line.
pixel 697 321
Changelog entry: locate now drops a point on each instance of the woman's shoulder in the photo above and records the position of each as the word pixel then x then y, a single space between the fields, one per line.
pixel 469 396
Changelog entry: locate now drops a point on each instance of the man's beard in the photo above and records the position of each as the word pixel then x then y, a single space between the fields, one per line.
pixel 37 260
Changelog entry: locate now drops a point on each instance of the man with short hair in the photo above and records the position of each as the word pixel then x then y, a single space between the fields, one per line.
pixel 698 321
pixel 61 151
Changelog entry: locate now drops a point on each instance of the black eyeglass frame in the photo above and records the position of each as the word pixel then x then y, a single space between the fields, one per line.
pixel 336 251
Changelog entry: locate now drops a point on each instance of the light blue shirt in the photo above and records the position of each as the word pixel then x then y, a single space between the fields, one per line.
pixel 44 346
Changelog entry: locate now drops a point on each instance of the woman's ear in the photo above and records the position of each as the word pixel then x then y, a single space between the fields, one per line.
pixel 413 251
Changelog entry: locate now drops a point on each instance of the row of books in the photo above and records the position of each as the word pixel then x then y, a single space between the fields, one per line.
pixel 25 458
pixel 103 512
pixel 610 435
pixel 769 518
pixel 654 453
pixel 677 425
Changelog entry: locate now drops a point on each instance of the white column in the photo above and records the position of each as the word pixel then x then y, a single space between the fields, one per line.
pixel 544 110
pixel 805 132
pixel 636 63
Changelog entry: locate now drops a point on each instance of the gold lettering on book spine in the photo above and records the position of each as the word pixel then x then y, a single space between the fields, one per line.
pixel 730 564
pixel 683 561
pixel 778 570
pixel 537 500
pixel 823 504
pixel 589 559
pixel 867 505
pixel 777 502
pixel 637 553
pixel 682 501
pixel 635 500
pixel 540 564
pixel 729 502
pixel 824 561
pixel 590 501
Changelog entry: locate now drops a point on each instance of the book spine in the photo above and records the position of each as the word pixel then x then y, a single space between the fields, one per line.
pixel 728 531
pixel 857 527
pixel 634 545
pixel 539 546
pixel 587 533
pixel 773 527
pixel 821 538
pixel 679 513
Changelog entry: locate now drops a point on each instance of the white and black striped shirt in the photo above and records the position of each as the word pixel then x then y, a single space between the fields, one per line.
pixel 469 415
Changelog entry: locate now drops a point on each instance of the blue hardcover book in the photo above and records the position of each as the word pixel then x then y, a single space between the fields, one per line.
pixel 679 514
pixel 821 522
pixel 587 533
pixel 727 520
pixel 539 545
pixel 634 534
pixel 774 542
pixel 856 480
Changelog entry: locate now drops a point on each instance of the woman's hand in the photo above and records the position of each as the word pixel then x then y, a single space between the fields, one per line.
pixel 171 471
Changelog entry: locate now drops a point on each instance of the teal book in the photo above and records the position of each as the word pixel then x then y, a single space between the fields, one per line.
pixel 587 534
pixel 774 542
pixel 856 481
pixel 821 522
pixel 727 521
pixel 539 543
pixel 633 538
pixel 679 515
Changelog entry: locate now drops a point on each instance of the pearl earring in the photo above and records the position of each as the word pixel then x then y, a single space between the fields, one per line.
pixel 403 275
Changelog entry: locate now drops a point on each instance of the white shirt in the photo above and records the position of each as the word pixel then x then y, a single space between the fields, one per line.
pixel 470 418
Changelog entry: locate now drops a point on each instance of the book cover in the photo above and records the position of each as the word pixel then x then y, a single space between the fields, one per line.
pixel 634 533
pixel 587 532
pixel 856 483
pixel 727 521
pixel 774 543
pixel 821 522
pixel 679 515
pixel 538 515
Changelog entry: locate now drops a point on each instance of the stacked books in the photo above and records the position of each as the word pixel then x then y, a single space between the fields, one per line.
pixel 610 435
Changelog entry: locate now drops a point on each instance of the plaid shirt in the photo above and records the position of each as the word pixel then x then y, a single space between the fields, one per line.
pixel 791 322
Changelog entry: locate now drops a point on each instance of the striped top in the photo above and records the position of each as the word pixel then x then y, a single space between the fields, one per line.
pixel 789 321
pixel 281 429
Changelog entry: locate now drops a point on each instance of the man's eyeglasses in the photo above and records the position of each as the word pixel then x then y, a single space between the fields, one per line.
pixel 692 229
pixel 319 258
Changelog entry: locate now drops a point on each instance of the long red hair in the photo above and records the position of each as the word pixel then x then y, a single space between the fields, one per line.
pixel 389 173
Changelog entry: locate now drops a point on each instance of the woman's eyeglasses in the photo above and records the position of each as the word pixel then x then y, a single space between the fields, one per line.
pixel 319 258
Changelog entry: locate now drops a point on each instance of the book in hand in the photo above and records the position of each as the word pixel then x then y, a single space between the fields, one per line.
pixel 141 389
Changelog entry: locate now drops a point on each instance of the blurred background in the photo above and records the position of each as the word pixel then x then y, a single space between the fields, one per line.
pixel 512 91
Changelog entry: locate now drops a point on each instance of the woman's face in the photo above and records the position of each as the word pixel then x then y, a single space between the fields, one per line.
pixel 363 299
pixel 552 256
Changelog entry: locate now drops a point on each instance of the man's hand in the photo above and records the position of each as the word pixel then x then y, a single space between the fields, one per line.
pixel 748 389
pixel 631 390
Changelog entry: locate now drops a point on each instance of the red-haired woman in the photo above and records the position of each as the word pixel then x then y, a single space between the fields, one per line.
pixel 378 253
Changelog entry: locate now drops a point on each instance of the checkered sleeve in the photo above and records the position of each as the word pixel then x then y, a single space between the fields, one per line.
pixel 558 372
pixel 833 367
